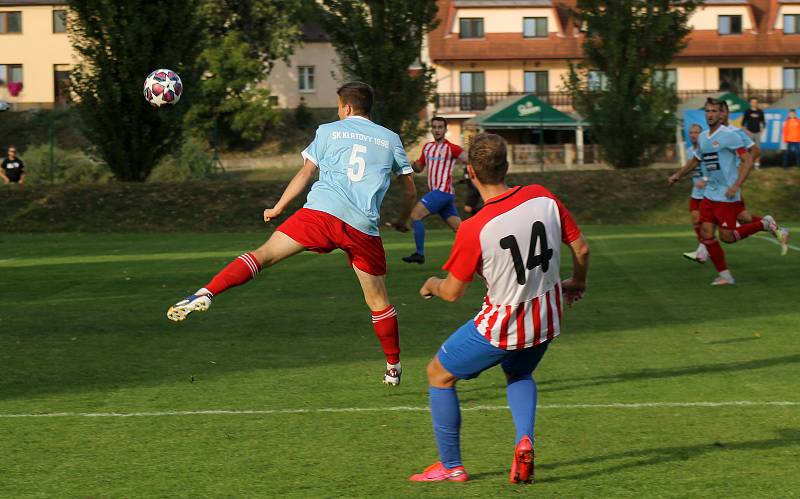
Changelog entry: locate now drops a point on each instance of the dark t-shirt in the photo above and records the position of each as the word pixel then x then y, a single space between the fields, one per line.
pixel 13 169
pixel 753 120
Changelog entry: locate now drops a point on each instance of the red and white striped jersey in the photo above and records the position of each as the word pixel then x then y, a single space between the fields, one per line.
pixel 440 160
pixel 514 243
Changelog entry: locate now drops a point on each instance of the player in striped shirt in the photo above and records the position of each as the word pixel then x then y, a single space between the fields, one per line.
pixel 439 157
pixel 514 243
pixel 355 159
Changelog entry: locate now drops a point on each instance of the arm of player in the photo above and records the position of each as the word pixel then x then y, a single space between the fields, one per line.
pixel 296 187
pixel 689 166
pixel 448 289
pixel 409 199
pixel 417 166
pixel 744 171
pixel 575 287
pixel 463 158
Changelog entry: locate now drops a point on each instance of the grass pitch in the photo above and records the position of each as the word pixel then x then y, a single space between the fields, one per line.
pixel 660 386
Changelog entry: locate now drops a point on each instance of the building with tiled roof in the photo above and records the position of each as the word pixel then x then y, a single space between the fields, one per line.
pixel 486 50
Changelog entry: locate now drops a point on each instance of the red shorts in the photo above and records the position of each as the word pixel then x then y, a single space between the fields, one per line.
pixel 720 213
pixel 694 204
pixel 322 233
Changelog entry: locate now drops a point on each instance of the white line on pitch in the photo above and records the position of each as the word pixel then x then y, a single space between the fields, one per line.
pixel 775 241
pixel 259 412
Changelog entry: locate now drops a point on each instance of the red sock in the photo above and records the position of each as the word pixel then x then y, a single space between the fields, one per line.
pixel 697 231
pixel 385 324
pixel 716 254
pixel 748 230
pixel 239 271
pixel 756 219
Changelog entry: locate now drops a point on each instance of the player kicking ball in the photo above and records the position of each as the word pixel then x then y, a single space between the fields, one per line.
pixel 439 157
pixel 355 159
pixel 514 242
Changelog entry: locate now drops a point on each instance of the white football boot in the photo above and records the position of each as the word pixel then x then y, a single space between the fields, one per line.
pixel 192 303
pixel 392 375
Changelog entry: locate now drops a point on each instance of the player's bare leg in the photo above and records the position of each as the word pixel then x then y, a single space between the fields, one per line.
pixel 716 254
pixel 384 321
pixel 418 214
pixel 700 255
pixel 241 270
pixel 454 223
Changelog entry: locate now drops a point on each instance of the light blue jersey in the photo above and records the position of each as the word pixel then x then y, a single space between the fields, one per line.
pixel 355 158
pixel 697 175
pixel 748 142
pixel 718 153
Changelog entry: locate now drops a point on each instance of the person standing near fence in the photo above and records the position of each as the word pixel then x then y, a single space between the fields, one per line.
pixel 12 169
pixel 753 122
pixel 791 135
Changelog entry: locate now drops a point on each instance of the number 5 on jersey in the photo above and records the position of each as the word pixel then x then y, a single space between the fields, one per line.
pixel 357 163
pixel 538 234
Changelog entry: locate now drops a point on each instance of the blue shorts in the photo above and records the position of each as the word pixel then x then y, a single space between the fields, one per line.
pixel 466 354
pixel 440 202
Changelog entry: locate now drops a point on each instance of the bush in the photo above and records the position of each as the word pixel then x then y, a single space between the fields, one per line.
pixel 69 166
pixel 191 162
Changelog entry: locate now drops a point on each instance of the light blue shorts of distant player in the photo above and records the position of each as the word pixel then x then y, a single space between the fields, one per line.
pixel 467 353
pixel 440 202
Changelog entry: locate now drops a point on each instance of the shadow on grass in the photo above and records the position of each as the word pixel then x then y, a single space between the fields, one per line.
pixel 561 384
pixel 788 437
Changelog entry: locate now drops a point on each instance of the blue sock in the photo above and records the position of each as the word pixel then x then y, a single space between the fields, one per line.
pixel 521 394
pixel 446 424
pixel 419 236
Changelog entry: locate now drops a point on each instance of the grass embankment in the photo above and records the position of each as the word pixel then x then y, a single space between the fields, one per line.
pixel 596 197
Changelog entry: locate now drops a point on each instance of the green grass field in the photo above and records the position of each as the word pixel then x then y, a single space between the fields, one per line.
pixel 660 386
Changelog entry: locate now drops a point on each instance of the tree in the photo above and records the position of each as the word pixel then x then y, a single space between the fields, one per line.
pixel 377 42
pixel 119 44
pixel 619 88
pixel 243 38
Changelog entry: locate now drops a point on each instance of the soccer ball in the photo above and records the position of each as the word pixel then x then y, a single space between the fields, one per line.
pixel 163 86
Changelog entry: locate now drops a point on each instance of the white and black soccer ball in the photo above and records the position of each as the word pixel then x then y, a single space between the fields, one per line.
pixel 163 86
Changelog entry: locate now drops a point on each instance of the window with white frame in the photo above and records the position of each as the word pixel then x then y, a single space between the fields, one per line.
pixel 306 78
pixel 59 21
pixel 667 76
pixel 470 27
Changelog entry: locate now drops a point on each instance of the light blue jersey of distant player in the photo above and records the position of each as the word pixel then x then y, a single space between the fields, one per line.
pixel 355 158
pixel 697 175
pixel 718 153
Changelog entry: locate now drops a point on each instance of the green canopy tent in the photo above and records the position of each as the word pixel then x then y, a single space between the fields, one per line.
pixel 528 112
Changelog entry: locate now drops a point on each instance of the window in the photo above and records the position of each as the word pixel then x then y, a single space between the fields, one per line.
pixel 306 78
pixel 10 22
pixel 470 27
pixel 11 73
pixel 730 25
pixel 61 83
pixel 667 76
pixel 534 27
pixel 59 21
pixel 473 91
pixel 273 100
pixel 791 24
pixel 536 82
pixel 791 79
pixel 597 80
pixel 730 79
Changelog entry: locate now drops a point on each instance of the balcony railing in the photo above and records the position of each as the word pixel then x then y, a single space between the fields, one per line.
pixel 474 103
